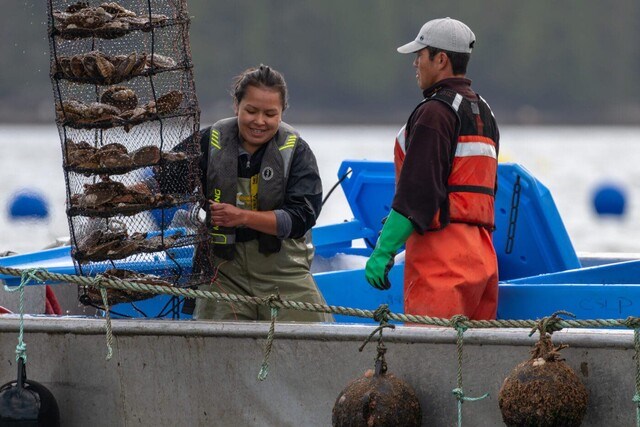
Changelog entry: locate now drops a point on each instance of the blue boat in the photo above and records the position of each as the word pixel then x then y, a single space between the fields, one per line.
pixel 539 269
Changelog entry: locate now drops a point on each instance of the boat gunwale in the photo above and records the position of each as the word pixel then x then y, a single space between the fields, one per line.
pixel 80 325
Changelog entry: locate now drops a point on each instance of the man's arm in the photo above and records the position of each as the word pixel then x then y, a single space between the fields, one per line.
pixel 422 186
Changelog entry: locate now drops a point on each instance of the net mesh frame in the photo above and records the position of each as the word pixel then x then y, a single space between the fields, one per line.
pixel 133 55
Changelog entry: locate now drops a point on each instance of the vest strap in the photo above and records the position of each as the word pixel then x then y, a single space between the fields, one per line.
pixel 470 189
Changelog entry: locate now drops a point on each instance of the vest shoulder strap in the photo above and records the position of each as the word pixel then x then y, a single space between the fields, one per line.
pixel 286 142
pixel 449 97
pixel 221 127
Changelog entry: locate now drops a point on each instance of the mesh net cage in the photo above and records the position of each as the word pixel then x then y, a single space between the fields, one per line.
pixel 128 120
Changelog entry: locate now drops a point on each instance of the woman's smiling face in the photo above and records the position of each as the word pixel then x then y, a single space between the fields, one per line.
pixel 259 115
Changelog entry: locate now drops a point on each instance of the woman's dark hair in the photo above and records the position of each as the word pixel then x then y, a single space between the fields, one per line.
pixel 262 76
pixel 459 60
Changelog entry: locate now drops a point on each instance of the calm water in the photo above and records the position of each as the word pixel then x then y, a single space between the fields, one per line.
pixel 570 161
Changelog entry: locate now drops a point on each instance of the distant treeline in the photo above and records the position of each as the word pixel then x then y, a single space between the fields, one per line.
pixel 535 62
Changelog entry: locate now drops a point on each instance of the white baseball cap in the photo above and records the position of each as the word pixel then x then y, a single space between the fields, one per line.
pixel 445 33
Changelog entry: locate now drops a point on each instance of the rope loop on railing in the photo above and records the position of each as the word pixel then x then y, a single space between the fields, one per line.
pixel 274 301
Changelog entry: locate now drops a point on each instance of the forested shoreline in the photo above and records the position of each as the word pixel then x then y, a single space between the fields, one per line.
pixel 537 62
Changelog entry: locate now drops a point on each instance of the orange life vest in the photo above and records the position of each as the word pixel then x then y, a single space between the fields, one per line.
pixel 472 178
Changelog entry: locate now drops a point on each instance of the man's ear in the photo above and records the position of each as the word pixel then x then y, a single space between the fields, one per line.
pixel 443 59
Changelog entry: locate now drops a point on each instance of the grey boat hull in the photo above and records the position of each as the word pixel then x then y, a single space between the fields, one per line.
pixel 175 373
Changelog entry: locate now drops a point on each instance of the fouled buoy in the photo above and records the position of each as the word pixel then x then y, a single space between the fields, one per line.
pixel 543 391
pixel 27 403
pixel 377 399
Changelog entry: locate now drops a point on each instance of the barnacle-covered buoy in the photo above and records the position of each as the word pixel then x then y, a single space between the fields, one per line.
pixel 543 391
pixel 377 399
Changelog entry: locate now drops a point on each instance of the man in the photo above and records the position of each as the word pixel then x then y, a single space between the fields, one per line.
pixel 446 165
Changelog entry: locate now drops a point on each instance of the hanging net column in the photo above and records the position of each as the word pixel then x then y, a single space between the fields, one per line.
pixel 128 118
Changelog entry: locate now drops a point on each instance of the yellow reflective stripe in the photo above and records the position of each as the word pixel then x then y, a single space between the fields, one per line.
pixel 222 239
pixel 217 238
pixel 289 143
pixel 215 138
pixel 255 179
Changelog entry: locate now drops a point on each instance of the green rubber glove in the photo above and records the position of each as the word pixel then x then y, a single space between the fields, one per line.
pixel 396 230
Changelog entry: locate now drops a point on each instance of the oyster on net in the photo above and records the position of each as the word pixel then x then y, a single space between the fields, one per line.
pixel 100 193
pixel 77 6
pixel 160 61
pixel 116 9
pixel 169 102
pixel 106 69
pixel 120 97
pixel 145 156
pixel 88 18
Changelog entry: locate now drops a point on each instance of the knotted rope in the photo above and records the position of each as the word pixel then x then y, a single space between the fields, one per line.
pixel 107 316
pixel 458 322
pixel 114 283
pixel 382 314
pixel 271 301
pixel 551 324
pixel 26 276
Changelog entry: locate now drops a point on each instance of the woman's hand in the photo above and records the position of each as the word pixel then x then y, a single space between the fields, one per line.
pixel 226 215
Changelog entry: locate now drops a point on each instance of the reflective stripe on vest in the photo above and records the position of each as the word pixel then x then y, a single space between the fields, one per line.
pixel 214 140
pixel 286 150
pixel 474 166
pixel 475 147
pixel 456 102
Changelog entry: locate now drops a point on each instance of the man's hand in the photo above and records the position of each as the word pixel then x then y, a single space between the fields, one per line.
pixel 377 269
pixel 226 215
pixel 396 230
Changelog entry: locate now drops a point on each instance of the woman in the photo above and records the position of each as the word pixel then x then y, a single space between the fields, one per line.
pixel 265 193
